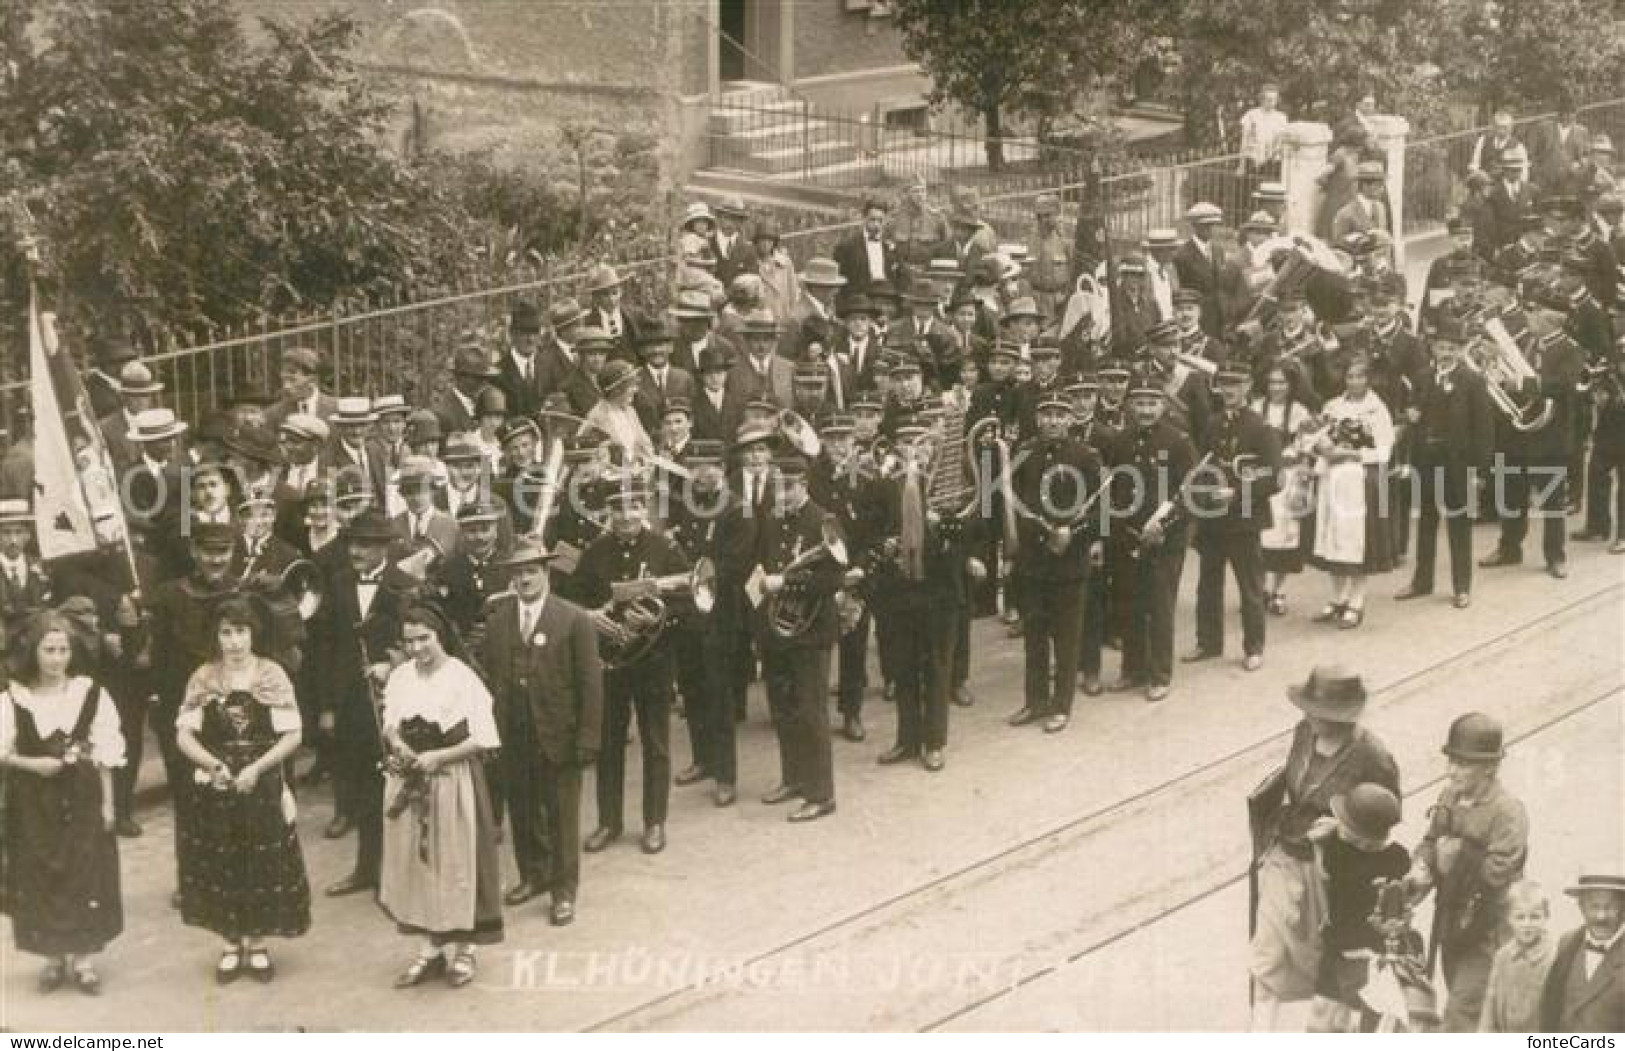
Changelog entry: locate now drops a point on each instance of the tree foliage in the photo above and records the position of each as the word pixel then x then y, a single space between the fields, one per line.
pixel 1033 58
pixel 1532 55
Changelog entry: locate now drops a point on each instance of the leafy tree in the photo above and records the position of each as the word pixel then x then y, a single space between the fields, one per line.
pixel 1532 55
pixel 182 177
pixel 1323 53
pixel 999 58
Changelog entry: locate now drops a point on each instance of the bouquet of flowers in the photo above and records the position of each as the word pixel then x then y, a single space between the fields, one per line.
pixel 1351 433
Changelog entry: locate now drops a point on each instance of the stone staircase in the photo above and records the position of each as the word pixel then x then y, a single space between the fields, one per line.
pixel 764 131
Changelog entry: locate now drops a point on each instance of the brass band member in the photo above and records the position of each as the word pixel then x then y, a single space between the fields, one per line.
pixel 840 484
pixel 631 551
pixel 1056 478
pixel 797 668
pixel 922 593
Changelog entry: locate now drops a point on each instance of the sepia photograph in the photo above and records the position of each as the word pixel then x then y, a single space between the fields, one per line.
pixel 811 516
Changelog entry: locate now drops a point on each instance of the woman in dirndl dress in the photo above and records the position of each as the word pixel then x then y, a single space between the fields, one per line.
pixel 59 745
pixel 245 874
pixel 1292 506
pixel 1352 539
pixel 441 877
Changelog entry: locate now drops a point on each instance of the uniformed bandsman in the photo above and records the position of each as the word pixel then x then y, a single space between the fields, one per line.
pixel 1146 537
pixel 1058 518
pixel 840 484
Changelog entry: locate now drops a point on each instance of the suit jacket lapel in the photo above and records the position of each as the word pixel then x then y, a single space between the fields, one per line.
pixel 1607 975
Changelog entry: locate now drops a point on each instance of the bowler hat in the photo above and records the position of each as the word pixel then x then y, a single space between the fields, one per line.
pixel 1332 693
pixel 370 527
pixel 524 317
pixel 712 359
pixel 1368 810
pixel 213 535
pixel 136 378
pixel 1475 738
pixel 491 402
pixel 654 333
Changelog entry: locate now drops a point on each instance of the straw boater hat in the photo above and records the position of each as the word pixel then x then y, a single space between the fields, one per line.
pixel 1161 237
pixel 822 273
pixel 156 425
pixel 390 405
pixel 1597 877
pixel 16 512
pixel 354 411
pixel 1204 213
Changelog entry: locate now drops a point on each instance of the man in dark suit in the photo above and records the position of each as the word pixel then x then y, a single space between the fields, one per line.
pixel 456 407
pixel 733 252
pixel 694 316
pixel 138 391
pixel 608 312
pixel 856 344
pixel 422 524
pixel 868 254
pixel 154 493
pixel 540 658
pixel 355 638
pixel 1585 988
pixel 1454 439
pixel 520 374
pixel 560 360
pixel 353 450
pixel 709 402
pixel 1561 151
pixel 109 356
pixel 1511 198
pixel 760 373
pixel 1203 266
pixel 1246 461
pixel 659 381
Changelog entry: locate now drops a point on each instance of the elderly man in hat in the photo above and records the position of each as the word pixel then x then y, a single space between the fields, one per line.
pixel 638 678
pixel 608 310
pixel 356 644
pixel 137 391
pixel 300 393
pixel 521 376
pixel 760 372
pixel 869 253
pixel 540 657
pixel 457 406
pixel 1367 210
pixel 1330 754
pixel 1585 988
pixel 1475 848
pixel 1205 267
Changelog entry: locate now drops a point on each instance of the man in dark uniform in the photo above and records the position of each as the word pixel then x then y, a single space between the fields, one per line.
pixel 1398 359
pixel 1246 461
pixel 1146 536
pixel 796 668
pixel 1057 479
pixel 1091 426
pixel 355 645
pixel 181 640
pixel 542 664
pixel 1455 436
pixel 1189 400
pixel 837 484
pixel 472 574
pixel 920 589
pixel 697 646
pixel 1193 339
pixel 630 551
pixel 1533 466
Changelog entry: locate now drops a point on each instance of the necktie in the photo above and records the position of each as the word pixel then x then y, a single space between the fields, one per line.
pixel 15 575
pixel 660 382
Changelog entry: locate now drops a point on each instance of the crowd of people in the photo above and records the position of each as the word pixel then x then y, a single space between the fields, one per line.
pixel 457 604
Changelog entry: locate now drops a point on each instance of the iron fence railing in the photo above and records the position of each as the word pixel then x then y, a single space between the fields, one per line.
pixel 376 347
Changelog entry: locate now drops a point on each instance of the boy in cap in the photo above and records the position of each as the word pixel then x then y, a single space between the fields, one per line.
pixel 1475 849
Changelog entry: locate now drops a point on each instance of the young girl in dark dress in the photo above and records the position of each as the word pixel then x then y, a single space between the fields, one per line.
pixel 245 876
pixel 59 746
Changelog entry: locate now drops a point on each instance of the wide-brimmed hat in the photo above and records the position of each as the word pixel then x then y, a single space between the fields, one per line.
pixel 416 469
pixel 353 410
pixel 655 332
pixel 821 272
pixel 254 443
pixel 370 527
pixel 760 323
pixel 16 511
pixel 562 313
pixel 695 212
pixel 460 449
pixel 136 378
pixel 1332 693
pixel 1368 810
pixel 1597 876
pixel 156 425
pixel 733 207
pixel 472 359
pixel 603 277
pixel 692 303
pixel 616 375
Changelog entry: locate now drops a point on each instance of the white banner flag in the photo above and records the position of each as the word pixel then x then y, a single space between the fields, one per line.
pixel 76 506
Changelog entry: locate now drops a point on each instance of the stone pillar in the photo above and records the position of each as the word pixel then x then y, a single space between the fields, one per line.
pixel 1304 148
pixel 1388 139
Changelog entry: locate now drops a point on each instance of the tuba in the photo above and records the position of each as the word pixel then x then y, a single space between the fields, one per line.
pixel 793 611
pixel 641 611
pixel 1504 368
